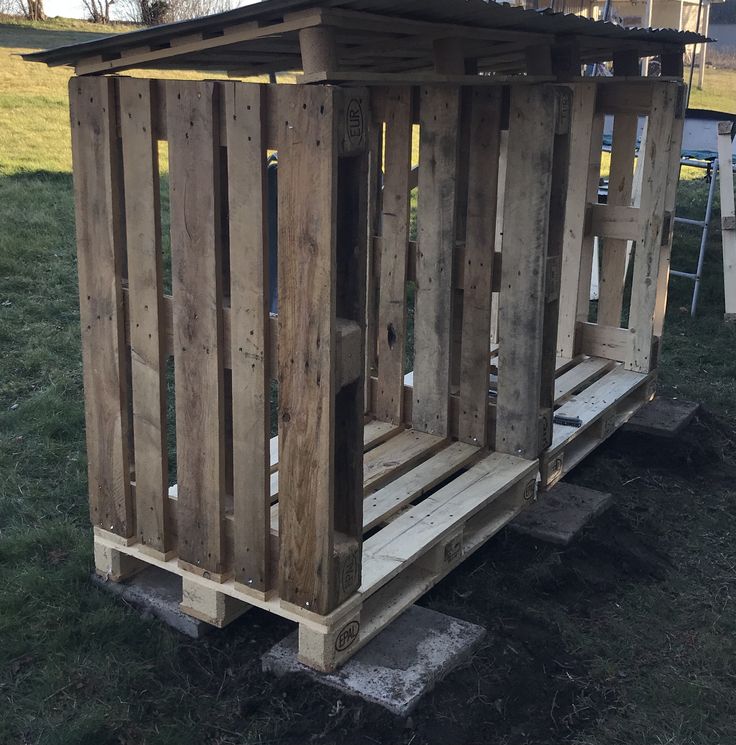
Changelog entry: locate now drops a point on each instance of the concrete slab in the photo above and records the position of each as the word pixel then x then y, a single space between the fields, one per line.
pixel 156 592
pixel 662 417
pixel 561 513
pixel 397 667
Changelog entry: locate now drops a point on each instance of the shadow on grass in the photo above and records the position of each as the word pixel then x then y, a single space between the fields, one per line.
pixel 21 36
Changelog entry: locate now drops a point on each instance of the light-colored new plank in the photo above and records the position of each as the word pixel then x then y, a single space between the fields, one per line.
pixel 391 330
pixel 198 340
pixel 439 115
pixel 480 224
pixel 579 376
pixel 100 258
pixel 396 456
pixel 656 166
pixel 620 182
pixel 145 298
pixel 249 283
pixel 728 234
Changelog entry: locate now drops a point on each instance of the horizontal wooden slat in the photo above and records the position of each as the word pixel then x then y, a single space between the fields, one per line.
pixel 620 222
pixel 624 98
pixel 609 342
pixel 579 376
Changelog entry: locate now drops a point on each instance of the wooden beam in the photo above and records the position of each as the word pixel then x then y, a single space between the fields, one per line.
pixel 318 49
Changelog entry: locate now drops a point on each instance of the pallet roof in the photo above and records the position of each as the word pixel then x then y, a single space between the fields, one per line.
pixel 372 36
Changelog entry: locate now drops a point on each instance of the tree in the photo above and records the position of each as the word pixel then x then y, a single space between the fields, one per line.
pixel 32 9
pixel 99 10
pixel 154 12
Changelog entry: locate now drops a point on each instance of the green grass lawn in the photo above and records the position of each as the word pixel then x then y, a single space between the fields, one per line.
pixel 627 638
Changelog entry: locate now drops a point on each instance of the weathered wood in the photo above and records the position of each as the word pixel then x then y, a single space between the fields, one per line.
pixel 585 137
pixel 523 272
pixel 307 193
pixel 145 298
pixel 318 49
pixel 192 110
pixel 100 257
pixel 485 141
pixel 620 181
pixel 249 336
pixel 394 255
pixel 656 165
pixel 440 111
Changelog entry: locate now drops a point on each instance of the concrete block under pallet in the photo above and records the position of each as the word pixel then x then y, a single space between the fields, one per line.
pixel 158 593
pixel 397 667
pixel 662 417
pixel 561 513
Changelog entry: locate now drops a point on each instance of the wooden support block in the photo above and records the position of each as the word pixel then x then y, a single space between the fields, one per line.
pixel 192 111
pixel 626 63
pixel 209 605
pixel 445 555
pixel 100 258
pixel 525 245
pixel 440 112
pixel 115 565
pixel 326 650
pixel 318 49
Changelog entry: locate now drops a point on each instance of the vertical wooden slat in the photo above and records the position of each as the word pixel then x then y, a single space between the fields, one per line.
pixel 394 241
pixel 249 301
pixel 145 298
pixel 656 165
pixel 673 179
pixel 728 213
pixel 307 194
pixel 585 142
pixel 521 313
pixel 439 122
pixel 100 264
pixel 614 251
pixel 193 132
pixel 480 232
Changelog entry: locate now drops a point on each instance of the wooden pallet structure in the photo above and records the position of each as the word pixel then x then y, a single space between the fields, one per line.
pixel 424 381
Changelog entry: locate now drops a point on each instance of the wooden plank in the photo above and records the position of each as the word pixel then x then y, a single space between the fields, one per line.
pixel 620 97
pixel 620 182
pixel 393 497
pixel 400 542
pixel 307 193
pixel 585 137
pixel 439 114
pixel 609 342
pixel 580 376
pixel 523 271
pixel 619 224
pixel 656 165
pixel 391 329
pixel 728 234
pixel 192 110
pixel 249 299
pixel 401 453
pixel 100 257
pixel 145 298
pixel 485 143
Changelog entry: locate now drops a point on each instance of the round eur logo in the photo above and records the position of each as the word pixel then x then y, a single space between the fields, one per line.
pixel 354 121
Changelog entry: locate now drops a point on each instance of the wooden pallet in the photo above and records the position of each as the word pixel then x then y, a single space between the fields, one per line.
pixel 429 504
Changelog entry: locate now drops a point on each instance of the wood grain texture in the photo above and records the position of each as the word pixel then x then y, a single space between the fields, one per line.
pixel 391 328
pixel 656 166
pixel 249 299
pixel 521 314
pixel 586 134
pixel 439 121
pixel 480 229
pixel 620 182
pixel 100 257
pixel 728 235
pixel 307 193
pixel 145 299
pixel 192 120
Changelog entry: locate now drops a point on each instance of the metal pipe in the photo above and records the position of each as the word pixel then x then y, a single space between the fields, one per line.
pixel 704 237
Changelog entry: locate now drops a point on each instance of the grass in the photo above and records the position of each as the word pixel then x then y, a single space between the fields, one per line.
pixel 626 638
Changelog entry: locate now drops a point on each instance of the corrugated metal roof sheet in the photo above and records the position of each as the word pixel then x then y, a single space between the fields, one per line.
pixel 474 14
